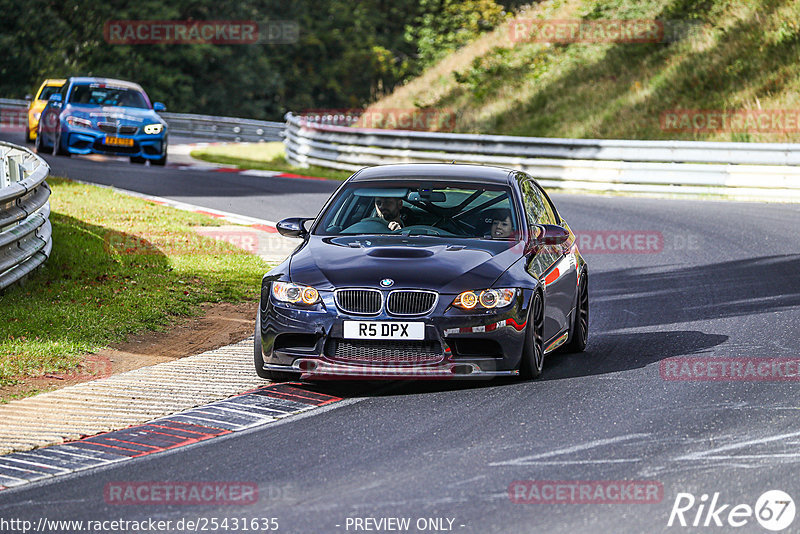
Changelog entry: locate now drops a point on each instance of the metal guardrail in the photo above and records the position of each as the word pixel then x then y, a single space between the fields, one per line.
pixel 752 170
pixel 223 128
pixel 178 124
pixel 25 231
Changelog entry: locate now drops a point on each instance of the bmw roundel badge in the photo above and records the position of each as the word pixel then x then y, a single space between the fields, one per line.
pixel 387 282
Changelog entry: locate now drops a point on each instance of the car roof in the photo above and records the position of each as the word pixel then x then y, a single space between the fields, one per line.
pixel 109 81
pixel 438 171
pixel 54 81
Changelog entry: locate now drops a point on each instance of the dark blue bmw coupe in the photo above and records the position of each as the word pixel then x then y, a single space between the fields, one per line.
pixel 425 271
pixel 103 116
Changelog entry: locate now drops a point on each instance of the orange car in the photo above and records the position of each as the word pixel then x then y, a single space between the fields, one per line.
pixel 38 103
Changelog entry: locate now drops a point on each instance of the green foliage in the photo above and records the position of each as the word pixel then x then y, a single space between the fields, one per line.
pixel 445 25
pixel 347 53
pixel 93 290
pixel 732 55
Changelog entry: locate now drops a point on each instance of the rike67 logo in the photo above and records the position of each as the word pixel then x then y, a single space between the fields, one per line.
pixel 774 511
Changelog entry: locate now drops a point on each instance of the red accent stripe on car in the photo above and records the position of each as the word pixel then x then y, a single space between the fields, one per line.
pixel 516 325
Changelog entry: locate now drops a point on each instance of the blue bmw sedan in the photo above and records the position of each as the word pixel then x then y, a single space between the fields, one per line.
pixel 103 116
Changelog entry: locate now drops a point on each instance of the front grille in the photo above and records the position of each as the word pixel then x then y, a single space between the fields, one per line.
pixel 110 127
pixel 412 302
pixel 384 352
pixel 359 301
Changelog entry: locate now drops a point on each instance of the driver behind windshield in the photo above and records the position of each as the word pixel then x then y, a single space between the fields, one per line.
pixel 391 210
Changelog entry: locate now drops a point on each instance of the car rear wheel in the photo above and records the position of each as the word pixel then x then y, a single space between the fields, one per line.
pixel 533 352
pixel 580 323
pixel 258 359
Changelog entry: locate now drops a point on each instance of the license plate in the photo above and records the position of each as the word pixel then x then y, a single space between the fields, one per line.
pixel 383 330
pixel 119 141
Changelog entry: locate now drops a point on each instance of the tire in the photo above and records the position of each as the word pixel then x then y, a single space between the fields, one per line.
pixel 580 321
pixel 258 359
pixel 160 161
pixel 533 351
pixel 138 160
pixel 57 148
pixel 38 144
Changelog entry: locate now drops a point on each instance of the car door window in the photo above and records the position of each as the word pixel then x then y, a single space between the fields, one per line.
pixel 539 211
pixel 537 208
pixel 548 207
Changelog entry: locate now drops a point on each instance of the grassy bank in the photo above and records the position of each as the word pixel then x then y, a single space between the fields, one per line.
pixel 119 265
pixel 741 56
pixel 265 156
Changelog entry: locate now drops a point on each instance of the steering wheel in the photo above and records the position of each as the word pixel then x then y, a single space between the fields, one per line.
pixel 370 225
pixel 428 229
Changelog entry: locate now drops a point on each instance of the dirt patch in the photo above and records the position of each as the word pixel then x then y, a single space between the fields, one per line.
pixel 220 324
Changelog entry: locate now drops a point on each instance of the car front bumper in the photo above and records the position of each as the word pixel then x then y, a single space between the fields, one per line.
pixel 457 344
pixel 82 141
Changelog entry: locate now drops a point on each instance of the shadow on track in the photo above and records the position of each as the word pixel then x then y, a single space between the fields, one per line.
pixel 646 297
pixel 612 353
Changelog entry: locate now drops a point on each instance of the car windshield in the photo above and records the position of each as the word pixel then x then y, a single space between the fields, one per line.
pixel 463 210
pixel 106 95
pixel 48 90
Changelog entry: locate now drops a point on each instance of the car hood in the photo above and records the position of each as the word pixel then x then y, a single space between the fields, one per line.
pixel 420 262
pixel 124 115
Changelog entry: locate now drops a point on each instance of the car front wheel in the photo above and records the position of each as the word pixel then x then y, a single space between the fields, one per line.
pixel 38 143
pixel 58 150
pixel 533 351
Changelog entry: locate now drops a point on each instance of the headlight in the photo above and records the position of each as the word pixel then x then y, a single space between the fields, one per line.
pixel 153 129
pixel 484 299
pixel 77 121
pixel 296 294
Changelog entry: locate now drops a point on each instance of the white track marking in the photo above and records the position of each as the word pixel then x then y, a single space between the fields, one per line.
pixel 533 459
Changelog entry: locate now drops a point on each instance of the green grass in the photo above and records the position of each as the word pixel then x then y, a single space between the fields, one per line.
pixel 119 265
pixel 742 56
pixel 264 156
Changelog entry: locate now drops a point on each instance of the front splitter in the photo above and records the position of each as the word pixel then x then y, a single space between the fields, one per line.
pixel 321 369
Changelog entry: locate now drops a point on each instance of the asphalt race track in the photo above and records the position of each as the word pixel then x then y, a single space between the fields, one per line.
pixel 723 283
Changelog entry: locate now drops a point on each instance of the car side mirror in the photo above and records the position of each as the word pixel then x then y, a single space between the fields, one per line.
pixel 545 234
pixel 159 106
pixel 293 227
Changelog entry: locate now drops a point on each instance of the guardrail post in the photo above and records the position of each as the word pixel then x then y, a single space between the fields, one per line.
pixel 4 178
pixel 15 169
